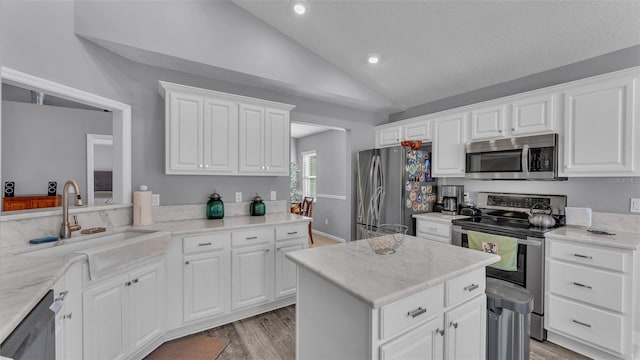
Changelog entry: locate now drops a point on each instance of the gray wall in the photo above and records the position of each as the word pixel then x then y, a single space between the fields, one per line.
pixel 75 62
pixel 330 147
pixel 47 143
pixel 601 194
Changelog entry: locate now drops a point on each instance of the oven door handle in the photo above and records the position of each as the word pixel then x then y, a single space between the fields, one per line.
pixel 525 159
pixel 528 241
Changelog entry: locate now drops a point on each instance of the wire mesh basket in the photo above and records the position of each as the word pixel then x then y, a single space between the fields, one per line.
pixel 386 238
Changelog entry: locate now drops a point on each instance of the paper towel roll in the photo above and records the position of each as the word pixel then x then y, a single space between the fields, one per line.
pixel 142 214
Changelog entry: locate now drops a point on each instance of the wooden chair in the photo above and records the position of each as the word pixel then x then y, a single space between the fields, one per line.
pixel 307 210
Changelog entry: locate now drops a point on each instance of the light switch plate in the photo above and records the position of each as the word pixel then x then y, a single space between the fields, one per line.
pixel 155 199
pixel 635 205
pixel 273 195
pixel 238 196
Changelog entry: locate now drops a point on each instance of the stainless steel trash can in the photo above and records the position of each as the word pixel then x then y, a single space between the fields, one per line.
pixel 509 309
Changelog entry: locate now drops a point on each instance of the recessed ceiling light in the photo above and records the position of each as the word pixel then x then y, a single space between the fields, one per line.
pixel 299 8
pixel 373 58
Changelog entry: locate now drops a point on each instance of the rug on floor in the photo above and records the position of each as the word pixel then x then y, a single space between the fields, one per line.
pixel 193 348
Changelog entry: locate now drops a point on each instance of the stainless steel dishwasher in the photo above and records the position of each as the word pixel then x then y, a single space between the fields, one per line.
pixel 35 337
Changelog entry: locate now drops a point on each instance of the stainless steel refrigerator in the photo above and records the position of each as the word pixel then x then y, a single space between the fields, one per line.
pixel 392 185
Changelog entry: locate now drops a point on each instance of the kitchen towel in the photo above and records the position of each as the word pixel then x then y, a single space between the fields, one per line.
pixel 505 246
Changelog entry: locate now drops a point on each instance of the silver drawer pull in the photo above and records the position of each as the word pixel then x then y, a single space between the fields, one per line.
pixel 455 325
pixel 582 285
pixel 417 312
pixel 68 316
pixel 583 256
pixel 251 237
pixel 62 294
pixel 432 229
pixel 292 233
pixel 204 244
pixel 471 287
pixel 441 332
pixel 581 323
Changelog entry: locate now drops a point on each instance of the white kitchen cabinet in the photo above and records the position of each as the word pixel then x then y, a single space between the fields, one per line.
pixel 124 313
pixel 388 136
pixel 488 122
pixel 425 342
pixel 590 297
pixel 465 330
pixel 68 290
pixel 286 271
pixel 252 275
pixel 418 129
pixel 264 140
pixel 433 230
pixel 533 115
pixel 207 283
pixel 601 129
pixel 448 145
pixel 220 136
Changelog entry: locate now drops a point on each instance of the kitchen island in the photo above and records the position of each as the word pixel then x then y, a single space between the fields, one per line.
pixel 424 300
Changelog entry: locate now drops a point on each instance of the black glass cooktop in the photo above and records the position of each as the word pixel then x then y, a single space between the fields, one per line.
pixel 510 223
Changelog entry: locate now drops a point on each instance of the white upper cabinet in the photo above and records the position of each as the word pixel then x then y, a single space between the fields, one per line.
pixel 601 129
pixel 417 129
pixel 448 145
pixel 389 136
pixel 214 133
pixel 533 115
pixel 488 122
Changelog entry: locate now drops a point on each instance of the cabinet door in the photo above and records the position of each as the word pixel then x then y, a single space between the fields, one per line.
pixel 448 146
pixel 286 271
pixel 466 327
pixel 251 275
pixel 599 129
pixel 72 316
pixel 533 115
pixel 417 130
pixel 424 342
pixel 220 127
pixel 488 123
pixel 251 139
pixel 184 134
pixel 206 284
pixel 147 296
pixel 388 136
pixel 105 320
pixel 276 142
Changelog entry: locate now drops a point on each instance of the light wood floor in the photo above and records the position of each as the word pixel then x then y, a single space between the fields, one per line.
pixel 272 335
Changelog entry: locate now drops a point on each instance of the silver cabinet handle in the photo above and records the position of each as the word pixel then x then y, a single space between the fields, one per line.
pixel 581 323
pixel 417 312
pixel 432 229
pixel 513 129
pixel 582 285
pixel 292 233
pixel 206 166
pixel 267 167
pixel 441 332
pixel 251 237
pixel 500 131
pixel 135 281
pixel 68 316
pixel 62 294
pixel 204 244
pixel 267 250
pixel 261 167
pixel 128 283
pixel 455 325
pixel 583 256
pixel 200 165
pixel 471 287
pixel 186 263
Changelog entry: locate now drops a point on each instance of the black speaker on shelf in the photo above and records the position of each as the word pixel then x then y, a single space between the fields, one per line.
pixel 52 188
pixel 9 188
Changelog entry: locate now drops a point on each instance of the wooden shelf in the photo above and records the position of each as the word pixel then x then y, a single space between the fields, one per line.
pixel 26 202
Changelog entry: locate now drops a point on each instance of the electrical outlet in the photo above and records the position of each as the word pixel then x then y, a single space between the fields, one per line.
pixel 635 205
pixel 326 221
pixel 238 196
pixel 155 199
pixel 273 195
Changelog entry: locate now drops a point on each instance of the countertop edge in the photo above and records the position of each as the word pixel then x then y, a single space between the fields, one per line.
pixel 579 235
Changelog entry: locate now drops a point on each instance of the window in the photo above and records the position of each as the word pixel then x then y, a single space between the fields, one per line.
pixel 309 174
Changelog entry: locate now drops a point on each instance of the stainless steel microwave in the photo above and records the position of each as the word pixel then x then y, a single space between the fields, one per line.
pixel 521 158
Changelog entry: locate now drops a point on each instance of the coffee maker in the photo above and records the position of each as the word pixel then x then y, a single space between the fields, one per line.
pixel 452 199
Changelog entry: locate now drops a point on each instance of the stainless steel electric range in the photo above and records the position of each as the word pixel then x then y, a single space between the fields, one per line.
pixel 507 214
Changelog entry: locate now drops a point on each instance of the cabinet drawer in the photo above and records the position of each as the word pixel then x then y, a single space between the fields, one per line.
pixel 465 287
pixel 589 285
pixel 586 323
pixel 411 311
pixel 251 237
pixel 291 231
pixel 426 236
pixel 433 228
pixel 207 242
pixel 588 255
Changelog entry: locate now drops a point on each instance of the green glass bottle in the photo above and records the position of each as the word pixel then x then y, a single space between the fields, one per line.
pixel 215 206
pixel 257 207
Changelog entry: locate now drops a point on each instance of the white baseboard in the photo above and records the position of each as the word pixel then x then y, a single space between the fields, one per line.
pixel 329 236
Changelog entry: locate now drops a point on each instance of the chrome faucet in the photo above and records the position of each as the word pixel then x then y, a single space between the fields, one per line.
pixel 65 227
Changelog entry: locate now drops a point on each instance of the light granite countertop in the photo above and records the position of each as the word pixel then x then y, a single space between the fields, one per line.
pixel 378 280
pixel 24 279
pixel 578 234
pixel 439 217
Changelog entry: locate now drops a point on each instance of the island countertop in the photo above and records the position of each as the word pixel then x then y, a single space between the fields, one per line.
pixel 378 280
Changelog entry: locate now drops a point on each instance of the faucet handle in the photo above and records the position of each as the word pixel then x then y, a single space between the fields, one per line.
pixel 75 219
pixel 75 226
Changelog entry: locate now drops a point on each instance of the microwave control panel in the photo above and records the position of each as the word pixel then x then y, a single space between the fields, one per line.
pixel 541 159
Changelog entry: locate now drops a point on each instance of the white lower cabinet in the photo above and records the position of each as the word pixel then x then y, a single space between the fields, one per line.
pixel 424 342
pixel 433 230
pixel 251 275
pixel 465 329
pixel 124 313
pixel 286 271
pixel 68 291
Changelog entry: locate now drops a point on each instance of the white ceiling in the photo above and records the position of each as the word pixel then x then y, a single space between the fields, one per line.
pixel 300 130
pixel 435 49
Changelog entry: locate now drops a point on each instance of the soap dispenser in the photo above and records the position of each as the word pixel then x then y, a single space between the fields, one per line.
pixel 258 208
pixel 215 206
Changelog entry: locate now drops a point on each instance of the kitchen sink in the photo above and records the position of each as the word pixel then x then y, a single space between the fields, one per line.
pixel 110 252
